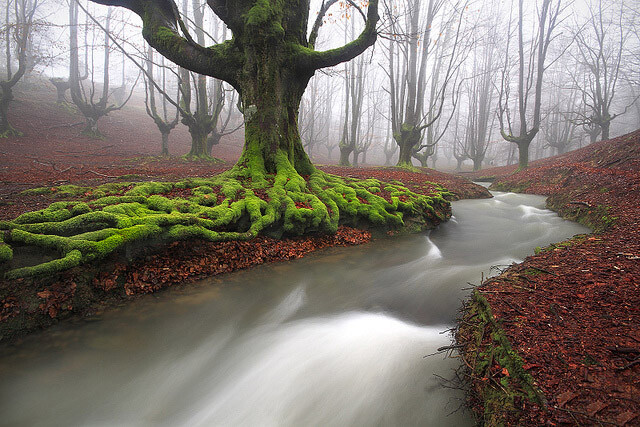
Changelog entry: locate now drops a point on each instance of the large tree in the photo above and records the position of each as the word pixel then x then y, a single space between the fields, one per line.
pixel 269 61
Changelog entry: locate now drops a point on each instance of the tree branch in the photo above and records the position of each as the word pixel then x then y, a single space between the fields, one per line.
pixel 161 20
pixel 311 60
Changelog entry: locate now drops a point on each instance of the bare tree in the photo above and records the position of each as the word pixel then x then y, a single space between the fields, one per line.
pixel 19 19
pixel 531 68
pixel 410 48
pixel 600 49
pixel 480 104
pixel 162 121
pixel 85 98
pixel 354 96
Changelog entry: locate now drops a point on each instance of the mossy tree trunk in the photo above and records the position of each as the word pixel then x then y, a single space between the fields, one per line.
pixel 269 62
pixel 407 139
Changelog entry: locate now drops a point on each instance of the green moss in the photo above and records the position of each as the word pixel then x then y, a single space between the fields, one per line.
pixel 148 188
pixel 499 398
pixel 70 260
pixel 6 253
pixel 225 207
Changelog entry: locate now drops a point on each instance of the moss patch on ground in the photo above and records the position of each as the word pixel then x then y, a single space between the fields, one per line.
pixel 236 205
pixel 502 388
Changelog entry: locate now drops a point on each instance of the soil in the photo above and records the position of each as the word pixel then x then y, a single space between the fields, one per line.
pixel 572 311
pixel 52 152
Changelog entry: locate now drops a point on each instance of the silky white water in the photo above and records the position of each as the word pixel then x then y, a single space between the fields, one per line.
pixel 335 339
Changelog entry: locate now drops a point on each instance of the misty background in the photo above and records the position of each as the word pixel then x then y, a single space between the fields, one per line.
pixel 457 72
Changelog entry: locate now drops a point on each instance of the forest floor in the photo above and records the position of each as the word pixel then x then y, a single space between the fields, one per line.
pixel 53 153
pixel 571 313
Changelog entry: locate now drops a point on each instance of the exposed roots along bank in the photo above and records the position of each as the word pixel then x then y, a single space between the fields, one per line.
pixel 236 205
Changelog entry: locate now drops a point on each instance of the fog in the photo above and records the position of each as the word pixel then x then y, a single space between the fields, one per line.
pixel 460 72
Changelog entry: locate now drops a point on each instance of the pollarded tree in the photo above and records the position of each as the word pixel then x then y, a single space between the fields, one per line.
pixel 530 76
pixel 162 121
pixel 411 48
pixel 85 98
pixel 269 61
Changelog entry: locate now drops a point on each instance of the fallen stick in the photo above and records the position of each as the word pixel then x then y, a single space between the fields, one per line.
pixel 100 174
pixel 580 203
pixel 542 270
pixel 630 364
pixel 587 416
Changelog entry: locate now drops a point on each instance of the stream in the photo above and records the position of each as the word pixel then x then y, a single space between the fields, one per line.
pixel 335 339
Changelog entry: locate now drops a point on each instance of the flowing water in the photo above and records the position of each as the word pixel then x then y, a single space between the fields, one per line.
pixel 337 338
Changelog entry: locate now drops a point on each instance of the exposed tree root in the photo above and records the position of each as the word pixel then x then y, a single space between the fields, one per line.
pixel 236 205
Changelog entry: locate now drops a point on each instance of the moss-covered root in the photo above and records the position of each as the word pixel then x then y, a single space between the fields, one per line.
pixel 501 397
pixel 236 205
pixel 6 253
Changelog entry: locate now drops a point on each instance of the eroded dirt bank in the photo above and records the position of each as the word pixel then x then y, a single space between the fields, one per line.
pixel 555 340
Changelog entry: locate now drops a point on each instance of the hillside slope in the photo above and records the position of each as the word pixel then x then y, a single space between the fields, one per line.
pixel 555 340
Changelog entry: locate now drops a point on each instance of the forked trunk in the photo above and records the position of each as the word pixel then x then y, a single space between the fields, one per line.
pixel 345 152
pixel 407 139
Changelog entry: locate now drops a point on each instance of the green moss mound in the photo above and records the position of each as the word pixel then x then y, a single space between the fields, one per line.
pixel 236 205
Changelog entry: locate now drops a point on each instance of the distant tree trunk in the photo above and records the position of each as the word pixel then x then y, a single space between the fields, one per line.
pixel 165 144
pixel 18 33
pixel 62 86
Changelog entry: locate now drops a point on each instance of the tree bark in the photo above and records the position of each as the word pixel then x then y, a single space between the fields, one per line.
pixel 523 154
pixel 605 130
pixel 165 144
pixel 407 139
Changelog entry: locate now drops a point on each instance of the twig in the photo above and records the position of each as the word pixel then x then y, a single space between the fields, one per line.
pixel 543 270
pixel 580 203
pixel 450 347
pixel 630 364
pixel 516 308
pixel 101 174
pixel 572 412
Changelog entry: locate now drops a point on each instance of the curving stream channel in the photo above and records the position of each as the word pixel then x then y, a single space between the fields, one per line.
pixel 334 339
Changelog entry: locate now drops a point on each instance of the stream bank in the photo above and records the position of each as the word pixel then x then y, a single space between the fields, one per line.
pixel 31 304
pixel 336 338
pixel 555 340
